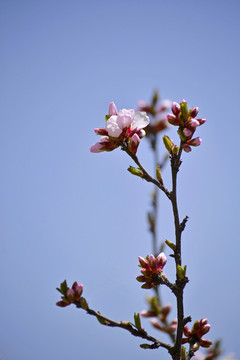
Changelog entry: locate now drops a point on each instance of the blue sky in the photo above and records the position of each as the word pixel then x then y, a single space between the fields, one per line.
pixel 67 213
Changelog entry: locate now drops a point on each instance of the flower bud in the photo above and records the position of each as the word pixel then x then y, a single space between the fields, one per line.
pixel 194 142
pixel 187 132
pixel 172 119
pixel 133 143
pixel 194 112
pixel 70 295
pixel 187 148
pixel 201 121
pixel 192 124
pixel 176 108
pixel 112 109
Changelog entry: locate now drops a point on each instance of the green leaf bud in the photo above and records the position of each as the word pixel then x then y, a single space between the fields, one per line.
pixel 136 171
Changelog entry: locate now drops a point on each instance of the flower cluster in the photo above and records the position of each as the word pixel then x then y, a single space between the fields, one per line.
pixel 158 110
pixel 71 295
pixel 123 126
pixel 152 267
pixel 185 119
pixel 194 336
pixel 159 315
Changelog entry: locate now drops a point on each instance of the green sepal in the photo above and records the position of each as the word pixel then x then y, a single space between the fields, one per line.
pixel 136 171
pixel 83 303
pixel 145 346
pixel 170 244
pixel 183 353
pixel 137 321
pixel 175 150
pixel 181 271
pixel 159 174
pixel 107 117
pixel 181 135
pixel 184 113
pixel 63 287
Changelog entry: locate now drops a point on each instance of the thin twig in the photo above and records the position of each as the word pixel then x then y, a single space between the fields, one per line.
pixel 129 327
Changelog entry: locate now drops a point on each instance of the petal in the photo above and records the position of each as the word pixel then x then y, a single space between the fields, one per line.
pixel 112 127
pixel 140 120
pixel 125 118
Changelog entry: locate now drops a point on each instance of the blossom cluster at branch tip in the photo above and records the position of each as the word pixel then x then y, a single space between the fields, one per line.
pixel 123 126
pixel 157 109
pixel 71 295
pixel 184 118
pixel 194 336
pixel 152 267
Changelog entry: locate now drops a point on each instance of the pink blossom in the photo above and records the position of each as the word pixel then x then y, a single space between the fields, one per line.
pixel 126 125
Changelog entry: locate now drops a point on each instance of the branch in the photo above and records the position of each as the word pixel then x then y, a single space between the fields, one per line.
pixel 146 175
pixel 129 327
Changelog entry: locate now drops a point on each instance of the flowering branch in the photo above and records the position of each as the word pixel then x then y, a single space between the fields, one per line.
pixel 73 296
pixel 125 129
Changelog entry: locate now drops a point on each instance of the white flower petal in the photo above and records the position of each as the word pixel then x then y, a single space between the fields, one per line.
pixel 112 127
pixel 140 120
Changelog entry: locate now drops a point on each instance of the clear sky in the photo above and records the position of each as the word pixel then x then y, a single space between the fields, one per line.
pixel 67 213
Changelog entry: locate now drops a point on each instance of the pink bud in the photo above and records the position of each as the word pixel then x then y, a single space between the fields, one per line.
pixel 70 294
pixel 78 289
pixel 187 132
pixel 133 143
pixel 194 142
pixel 152 261
pixel 176 108
pixel 161 260
pixel 172 119
pixel 192 124
pixel 156 324
pixel 112 109
pixel 205 329
pixel 101 131
pixel 147 313
pixel 205 343
pixel 201 121
pixel 203 321
pixel 97 148
pixel 194 112
pixel 187 331
pixel 187 148
pixel 143 262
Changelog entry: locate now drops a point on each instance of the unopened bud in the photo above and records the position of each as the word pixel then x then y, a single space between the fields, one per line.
pixel 184 112
pixel 112 109
pixel 176 108
pixel 194 142
pixel 181 271
pixel 175 150
pixel 170 244
pixel 135 171
pixel 137 321
pixel 194 112
pixel 172 119
pixel 168 143
pixel 159 174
